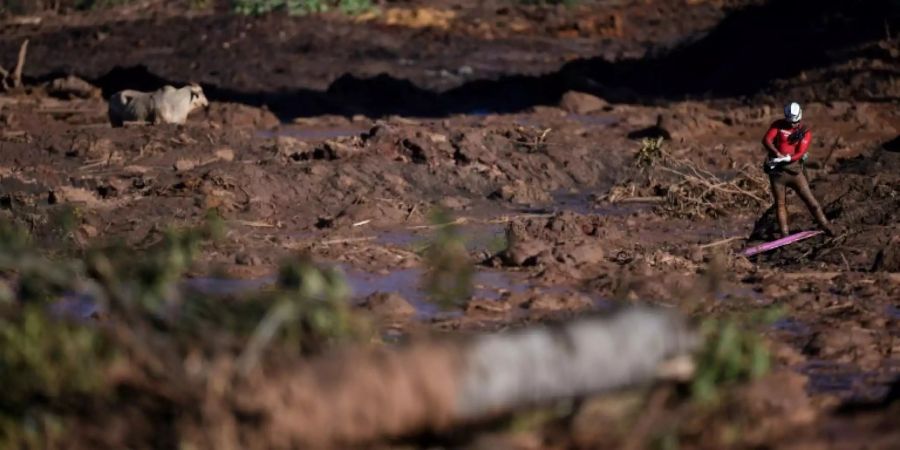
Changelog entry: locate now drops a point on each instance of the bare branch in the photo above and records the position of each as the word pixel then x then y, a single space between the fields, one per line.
pixel 3 76
pixel 20 64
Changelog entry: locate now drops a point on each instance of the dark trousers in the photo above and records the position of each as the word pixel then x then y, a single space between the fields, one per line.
pixel 795 179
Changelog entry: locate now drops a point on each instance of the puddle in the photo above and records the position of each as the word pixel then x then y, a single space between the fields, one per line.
pixel 226 286
pixel 489 285
pixel 893 311
pixel 75 306
pixel 847 381
pixel 791 326
pixel 478 237
pixel 484 237
pixel 582 203
pixel 844 380
pixel 577 202
pixel 402 238
pixel 313 134
pixel 80 306
pixel 826 377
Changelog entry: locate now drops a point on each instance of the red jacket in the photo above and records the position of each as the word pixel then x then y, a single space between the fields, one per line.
pixel 789 141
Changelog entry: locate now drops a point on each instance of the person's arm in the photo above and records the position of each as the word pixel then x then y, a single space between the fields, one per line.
pixel 768 142
pixel 803 146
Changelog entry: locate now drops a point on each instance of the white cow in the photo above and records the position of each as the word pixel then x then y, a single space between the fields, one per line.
pixel 165 105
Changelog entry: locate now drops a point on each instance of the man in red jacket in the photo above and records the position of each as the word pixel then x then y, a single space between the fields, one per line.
pixel 787 142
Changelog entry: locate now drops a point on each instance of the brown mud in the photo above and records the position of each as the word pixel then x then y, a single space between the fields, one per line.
pixel 337 137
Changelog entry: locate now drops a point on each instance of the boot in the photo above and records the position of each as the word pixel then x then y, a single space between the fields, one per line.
pixel 781 213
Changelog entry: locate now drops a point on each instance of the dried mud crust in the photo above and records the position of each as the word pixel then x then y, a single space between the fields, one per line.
pixel 334 185
pixel 136 180
pixel 282 194
pixel 493 56
pixel 222 49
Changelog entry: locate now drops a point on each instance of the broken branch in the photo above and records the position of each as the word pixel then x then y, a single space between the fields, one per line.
pixel 20 64
pixel 722 242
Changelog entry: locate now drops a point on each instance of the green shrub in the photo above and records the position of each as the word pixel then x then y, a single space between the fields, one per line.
pixel 56 370
pixel 732 353
pixel 448 279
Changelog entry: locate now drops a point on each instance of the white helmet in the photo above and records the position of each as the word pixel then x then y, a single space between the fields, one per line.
pixel 792 112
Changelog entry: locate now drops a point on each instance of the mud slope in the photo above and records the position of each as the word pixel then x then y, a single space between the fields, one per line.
pixel 334 141
pixel 310 68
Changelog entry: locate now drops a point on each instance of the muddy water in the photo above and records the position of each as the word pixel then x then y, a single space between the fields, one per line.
pixel 848 381
pixel 844 380
pixel 581 202
pixel 406 282
pixel 489 285
pixel 477 237
pixel 792 327
pixel 226 286
pixel 487 230
pixel 893 312
pixel 76 306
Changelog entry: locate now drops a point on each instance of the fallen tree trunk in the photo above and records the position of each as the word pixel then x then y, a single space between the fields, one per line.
pixel 364 395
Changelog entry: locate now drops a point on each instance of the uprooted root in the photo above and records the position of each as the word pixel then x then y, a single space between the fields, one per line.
pixel 684 190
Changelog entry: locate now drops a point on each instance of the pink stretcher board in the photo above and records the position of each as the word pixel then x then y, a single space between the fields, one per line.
pixel 764 247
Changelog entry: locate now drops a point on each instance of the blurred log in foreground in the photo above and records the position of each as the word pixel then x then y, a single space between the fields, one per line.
pixel 359 396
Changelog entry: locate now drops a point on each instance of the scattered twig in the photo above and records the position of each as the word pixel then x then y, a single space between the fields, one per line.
pixel 840 307
pixel 13 134
pixel 718 186
pixel 251 223
pixel 93 164
pixel 20 64
pixel 507 219
pixel 348 240
pixel 722 242
pixel 689 190
pixel 544 135
pixel 24 20
pixel 361 223
pixel 810 275
pixel 846 263
pixel 648 199
pixel 458 221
